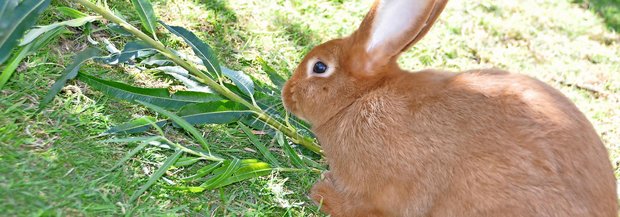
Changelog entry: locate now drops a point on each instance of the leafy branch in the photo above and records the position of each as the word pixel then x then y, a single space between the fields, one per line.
pixel 204 78
pixel 215 94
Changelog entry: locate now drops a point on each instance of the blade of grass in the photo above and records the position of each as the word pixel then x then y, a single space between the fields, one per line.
pixel 203 171
pixel 145 139
pixel 261 148
pixel 243 176
pixel 230 169
pixel 290 152
pixel 181 122
pixel 129 155
pixel 160 172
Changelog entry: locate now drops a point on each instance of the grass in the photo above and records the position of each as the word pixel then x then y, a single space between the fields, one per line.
pixel 609 10
pixel 52 163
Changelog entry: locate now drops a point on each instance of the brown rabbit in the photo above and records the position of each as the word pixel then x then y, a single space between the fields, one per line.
pixel 435 143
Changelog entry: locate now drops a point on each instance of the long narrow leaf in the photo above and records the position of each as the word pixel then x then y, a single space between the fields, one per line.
pixel 135 126
pixel 187 79
pixel 201 49
pixel 216 112
pixel 261 148
pixel 275 78
pixel 147 15
pixel 242 81
pixel 131 51
pixel 145 139
pixel 186 161
pixel 158 96
pixel 69 73
pixel 219 179
pixel 13 64
pixel 243 176
pixel 24 51
pixel 231 172
pixel 216 117
pixel 115 28
pixel 15 18
pixel 203 171
pixel 34 33
pixel 160 172
pixel 70 12
pixel 290 152
pixel 181 122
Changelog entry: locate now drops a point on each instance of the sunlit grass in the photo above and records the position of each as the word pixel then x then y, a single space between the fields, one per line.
pixel 52 165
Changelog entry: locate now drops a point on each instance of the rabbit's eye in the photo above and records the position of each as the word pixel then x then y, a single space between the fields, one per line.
pixel 319 67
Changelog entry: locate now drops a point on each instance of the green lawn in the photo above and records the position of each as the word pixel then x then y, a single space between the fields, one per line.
pixel 52 164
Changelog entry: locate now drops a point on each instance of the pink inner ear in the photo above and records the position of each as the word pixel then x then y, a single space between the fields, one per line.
pixel 394 20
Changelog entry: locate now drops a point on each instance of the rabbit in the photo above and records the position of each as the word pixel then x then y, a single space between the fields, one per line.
pixel 435 143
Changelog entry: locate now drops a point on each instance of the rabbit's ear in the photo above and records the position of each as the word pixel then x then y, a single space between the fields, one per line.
pixel 392 26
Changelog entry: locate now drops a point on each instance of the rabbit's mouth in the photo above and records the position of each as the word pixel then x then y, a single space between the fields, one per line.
pixel 289 101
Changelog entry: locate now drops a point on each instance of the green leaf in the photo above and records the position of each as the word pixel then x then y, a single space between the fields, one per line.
pixel 25 51
pixel 186 161
pixel 157 60
pixel 201 49
pixel 15 18
pixel 145 139
pixel 187 79
pixel 231 172
pixel 69 73
pixel 231 167
pixel 242 81
pixel 217 112
pixel 157 96
pixel 70 12
pixel 113 27
pixel 204 171
pixel 131 51
pixel 34 33
pixel 13 64
pixel 181 122
pixel 147 15
pixel 160 172
pixel 275 78
pixel 243 176
pixel 261 148
pixel 290 152
pixel 135 126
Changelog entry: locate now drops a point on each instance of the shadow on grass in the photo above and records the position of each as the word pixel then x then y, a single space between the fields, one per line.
pixel 609 10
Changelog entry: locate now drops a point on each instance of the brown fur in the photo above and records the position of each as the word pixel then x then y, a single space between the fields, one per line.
pixel 434 143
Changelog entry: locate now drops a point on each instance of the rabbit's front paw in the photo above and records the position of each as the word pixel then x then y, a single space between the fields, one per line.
pixel 324 194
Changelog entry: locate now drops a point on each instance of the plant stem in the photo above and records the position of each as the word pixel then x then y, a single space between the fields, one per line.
pixel 202 77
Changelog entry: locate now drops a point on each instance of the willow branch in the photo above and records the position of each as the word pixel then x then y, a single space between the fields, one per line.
pixel 202 77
